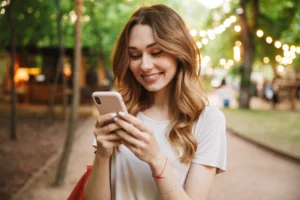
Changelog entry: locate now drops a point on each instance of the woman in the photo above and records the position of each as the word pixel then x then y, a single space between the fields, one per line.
pixel 171 145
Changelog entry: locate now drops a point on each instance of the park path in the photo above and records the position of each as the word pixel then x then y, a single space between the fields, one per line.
pixel 252 172
pixel 255 173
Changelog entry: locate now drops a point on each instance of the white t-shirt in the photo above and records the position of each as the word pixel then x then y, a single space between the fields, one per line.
pixel 132 178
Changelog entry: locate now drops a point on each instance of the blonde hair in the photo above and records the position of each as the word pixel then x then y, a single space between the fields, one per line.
pixel 188 98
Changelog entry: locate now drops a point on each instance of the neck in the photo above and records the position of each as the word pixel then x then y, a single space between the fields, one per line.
pixel 160 109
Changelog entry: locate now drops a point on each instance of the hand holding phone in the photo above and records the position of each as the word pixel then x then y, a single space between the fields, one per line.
pixel 107 102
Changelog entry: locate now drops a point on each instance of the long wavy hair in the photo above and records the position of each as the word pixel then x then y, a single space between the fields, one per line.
pixel 188 97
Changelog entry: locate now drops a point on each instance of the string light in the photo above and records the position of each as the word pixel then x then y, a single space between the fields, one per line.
pixel 211 34
pixel 285 47
pixel 269 40
pixel 259 33
pixel 199 44
pixel 280 69
pixel 237 53
pixel 278 58
pixel 222 61
pixel 293 48
pixel 204 41
pixel 193 32
pixel 238 43
pixel 202 33
pixel 237 28
pixel 266 60
pixel 289 52
pixel 277 44
pixel 4 3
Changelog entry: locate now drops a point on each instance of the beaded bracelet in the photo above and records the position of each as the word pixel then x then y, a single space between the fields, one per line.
pixel 159 176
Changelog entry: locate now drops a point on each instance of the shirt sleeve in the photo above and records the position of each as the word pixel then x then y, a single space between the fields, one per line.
pixel 210 132
pixel 94 144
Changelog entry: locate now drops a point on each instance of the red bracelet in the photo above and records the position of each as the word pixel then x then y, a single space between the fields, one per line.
pixel 159 176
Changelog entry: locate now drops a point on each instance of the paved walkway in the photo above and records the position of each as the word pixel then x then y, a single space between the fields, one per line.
pixel 253 173
pixel 82 154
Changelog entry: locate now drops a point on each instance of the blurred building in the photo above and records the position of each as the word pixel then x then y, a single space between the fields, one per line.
pixel 36 69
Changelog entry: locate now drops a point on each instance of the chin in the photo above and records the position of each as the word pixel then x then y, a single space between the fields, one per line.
pixel 153 88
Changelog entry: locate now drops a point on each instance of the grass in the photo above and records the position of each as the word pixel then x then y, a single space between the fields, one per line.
pixel 277 129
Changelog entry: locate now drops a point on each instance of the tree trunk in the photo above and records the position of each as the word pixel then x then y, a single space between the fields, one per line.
pixel 61 56
pixel 75 99
pixel 59 69
pixel 51 113
pixel 13 119
pixel 248 56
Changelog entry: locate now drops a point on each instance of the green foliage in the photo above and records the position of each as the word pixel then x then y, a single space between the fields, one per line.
pixel 102 21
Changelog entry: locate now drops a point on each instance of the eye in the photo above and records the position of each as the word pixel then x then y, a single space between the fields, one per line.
pixel 156 53
pixel 134 56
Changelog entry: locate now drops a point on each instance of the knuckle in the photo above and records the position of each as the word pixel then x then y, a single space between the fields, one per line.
pixel 111 127
pixel 145 136
pixel 97 132
pixel 106 129
pixel 138 151
pixel 142 145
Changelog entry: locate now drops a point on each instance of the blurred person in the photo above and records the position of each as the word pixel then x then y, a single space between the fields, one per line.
pixel 170 144
pixel 275 88
pixel 271 91
pixel 224 92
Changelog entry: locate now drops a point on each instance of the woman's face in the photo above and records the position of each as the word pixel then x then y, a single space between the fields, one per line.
pixel 151 66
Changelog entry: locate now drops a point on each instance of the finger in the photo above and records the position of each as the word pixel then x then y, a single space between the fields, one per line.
pixel 109 128
pixel 130 139
pixel 129 128
pixel 134 121
pixel 112 137
pixel 106 118
pixel 107 138
pixel 111 144
pixel 145 136
pixel 132 148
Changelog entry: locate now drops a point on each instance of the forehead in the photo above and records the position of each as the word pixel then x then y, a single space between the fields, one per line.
pixel 140 36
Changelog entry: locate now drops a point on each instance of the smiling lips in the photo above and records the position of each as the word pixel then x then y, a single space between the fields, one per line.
pixel 151 78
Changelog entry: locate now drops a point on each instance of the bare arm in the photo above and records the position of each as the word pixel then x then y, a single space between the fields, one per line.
pixel 98 185
pixel 198 183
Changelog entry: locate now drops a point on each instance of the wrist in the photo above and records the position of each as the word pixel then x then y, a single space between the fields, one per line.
pixel 157 165
pixel 101 156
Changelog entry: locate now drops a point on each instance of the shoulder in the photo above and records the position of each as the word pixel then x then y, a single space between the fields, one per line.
pixel 211 118
pixel 211 114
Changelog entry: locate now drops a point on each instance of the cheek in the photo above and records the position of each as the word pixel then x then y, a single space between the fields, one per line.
pixel 133 67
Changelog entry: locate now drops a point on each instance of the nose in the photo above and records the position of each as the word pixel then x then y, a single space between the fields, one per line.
pixel 146 63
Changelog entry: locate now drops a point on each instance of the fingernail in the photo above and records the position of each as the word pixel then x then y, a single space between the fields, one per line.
pixel 115 119
pixel 113 114
pixel 122 114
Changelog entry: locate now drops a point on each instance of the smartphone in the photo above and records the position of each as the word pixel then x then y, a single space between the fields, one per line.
pixel 109 102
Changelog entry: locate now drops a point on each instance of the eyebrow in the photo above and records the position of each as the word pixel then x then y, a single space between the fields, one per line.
pixel 148 46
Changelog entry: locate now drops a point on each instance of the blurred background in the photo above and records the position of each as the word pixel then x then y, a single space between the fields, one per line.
pixel 55 53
